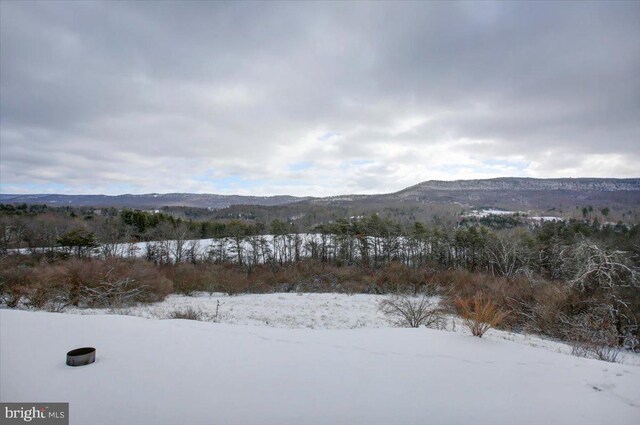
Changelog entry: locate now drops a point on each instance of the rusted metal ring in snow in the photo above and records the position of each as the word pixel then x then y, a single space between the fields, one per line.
pixel 81 356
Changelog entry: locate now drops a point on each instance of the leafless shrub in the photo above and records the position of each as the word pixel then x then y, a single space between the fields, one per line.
pixel 15 279
pixel 96 283
pixel 479 314
pixel 116 283
pixel 542 310
pixel 38 297
pixel 593 334
pixel 57 300
pixel 606 353
pixel 112 294
pixel 188 278
pixel 12 296
pixel 230 281
pixel 396 277
pixel 466 284
pixel 412 311
pixel 630 341
pixel 579 349
pixel 602 352
pixel 210 287
pixel 188 313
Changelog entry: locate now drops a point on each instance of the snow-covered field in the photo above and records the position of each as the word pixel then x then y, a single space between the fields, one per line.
pixel 487 213
pixel 280 310
pixel 189 372
pixel 307 311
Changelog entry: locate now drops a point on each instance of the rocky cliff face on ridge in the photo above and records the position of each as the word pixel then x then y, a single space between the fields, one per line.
pixel 513 183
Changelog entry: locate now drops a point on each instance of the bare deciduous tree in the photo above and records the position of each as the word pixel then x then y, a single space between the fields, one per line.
pixel 507 256
pixel 590 265
pixel 602 275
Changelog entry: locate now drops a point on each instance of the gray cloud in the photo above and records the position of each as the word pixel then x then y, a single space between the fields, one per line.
pixel 233 97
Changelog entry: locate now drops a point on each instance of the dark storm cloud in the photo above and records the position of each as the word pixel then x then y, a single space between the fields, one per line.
pixel 185 96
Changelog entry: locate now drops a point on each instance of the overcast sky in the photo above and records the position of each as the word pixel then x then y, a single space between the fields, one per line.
pixel 313 98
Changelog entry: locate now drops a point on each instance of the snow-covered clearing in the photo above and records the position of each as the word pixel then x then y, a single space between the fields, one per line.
pixel 488 212
pixel 181 371
pixel 524 214
pixel 280 310
pixel 306 311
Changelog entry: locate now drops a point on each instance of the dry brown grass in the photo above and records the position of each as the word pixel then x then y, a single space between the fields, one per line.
pixel 188 313
pixel 479 313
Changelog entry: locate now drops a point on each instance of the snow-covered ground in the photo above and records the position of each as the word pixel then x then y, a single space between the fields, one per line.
pixel 488 212
pixel 546 218
pixel 189 372
pixel 524 214
pixel 307 311
pixel 280 310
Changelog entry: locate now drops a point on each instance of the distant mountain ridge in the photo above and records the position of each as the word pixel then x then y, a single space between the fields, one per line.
pixel 149 200
pixel 523 193
pixel 520 183
pixel 504 192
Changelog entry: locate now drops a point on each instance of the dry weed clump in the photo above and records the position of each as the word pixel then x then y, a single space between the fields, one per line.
pixel 188 313
pixel 479 313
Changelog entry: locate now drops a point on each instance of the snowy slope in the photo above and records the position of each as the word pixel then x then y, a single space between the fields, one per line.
pixel 176 371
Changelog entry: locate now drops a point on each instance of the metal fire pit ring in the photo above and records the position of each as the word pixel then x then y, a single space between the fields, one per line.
pixel 81 356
